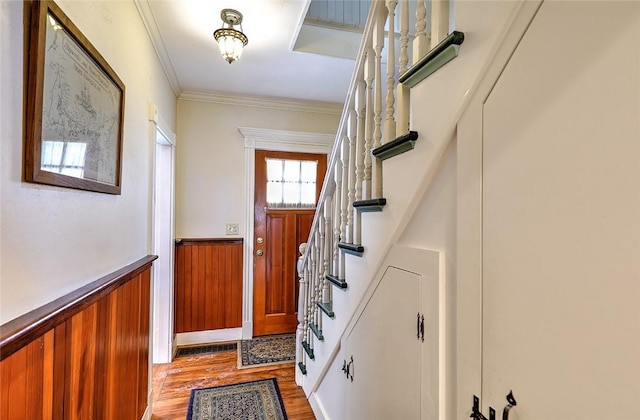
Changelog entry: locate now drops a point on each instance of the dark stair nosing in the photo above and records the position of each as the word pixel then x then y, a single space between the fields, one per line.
pixel 351 248
pixel 397 146
pixel 375 204
pixel 340 283
pixel 439 55
pixel 316 331
pixel 303 368
pixel 307 348
pixel 327 308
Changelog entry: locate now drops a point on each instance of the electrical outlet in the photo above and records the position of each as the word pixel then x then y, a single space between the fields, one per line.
pixel 232 229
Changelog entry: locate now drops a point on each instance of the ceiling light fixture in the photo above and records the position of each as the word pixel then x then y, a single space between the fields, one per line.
pixel 231 40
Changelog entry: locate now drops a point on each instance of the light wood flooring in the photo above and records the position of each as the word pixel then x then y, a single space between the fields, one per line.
pixel 172 383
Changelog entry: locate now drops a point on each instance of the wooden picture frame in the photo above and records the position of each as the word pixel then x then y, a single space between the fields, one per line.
pixel 74 107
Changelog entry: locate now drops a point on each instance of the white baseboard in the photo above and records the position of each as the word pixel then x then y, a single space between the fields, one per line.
pixel 317 407
pixel 211 336
pixel 147 413
pixel 247 330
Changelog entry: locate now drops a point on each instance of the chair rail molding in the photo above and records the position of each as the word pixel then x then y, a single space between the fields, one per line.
pixel 273 140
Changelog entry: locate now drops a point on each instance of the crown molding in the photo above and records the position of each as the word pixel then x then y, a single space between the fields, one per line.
pixel 264 102
pixel 149 21
pixel 284 140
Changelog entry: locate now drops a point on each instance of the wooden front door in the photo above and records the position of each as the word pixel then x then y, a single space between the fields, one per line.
pixel 561 219
pixel 283 217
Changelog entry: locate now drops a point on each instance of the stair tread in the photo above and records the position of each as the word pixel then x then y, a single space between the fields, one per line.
pixel 316 331
pixel 439 55
pixel 307 348
pixel 338 282
pixel 355 249
pixel 395 147
pixel 374 204
pixel 327 308
pixel 302 367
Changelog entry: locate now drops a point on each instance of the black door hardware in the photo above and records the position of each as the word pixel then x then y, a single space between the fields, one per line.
pixel 477 414
pixel 347 368
pixel 420 327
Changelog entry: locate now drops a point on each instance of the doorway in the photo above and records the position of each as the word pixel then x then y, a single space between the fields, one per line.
pixel 287 187
pixel 163 243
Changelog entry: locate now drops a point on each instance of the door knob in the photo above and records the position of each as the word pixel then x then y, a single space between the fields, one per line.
pixel 259 253
pixel 259 239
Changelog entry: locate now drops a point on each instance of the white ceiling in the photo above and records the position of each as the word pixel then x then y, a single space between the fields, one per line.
pixel 182 33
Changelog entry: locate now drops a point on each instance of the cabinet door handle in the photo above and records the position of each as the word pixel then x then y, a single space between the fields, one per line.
pixel 512 402
pixel 477 414
pixel 347 368
pixel 422 328
pixel 418 327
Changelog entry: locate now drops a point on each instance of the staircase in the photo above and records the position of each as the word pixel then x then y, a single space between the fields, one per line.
pixel 357 220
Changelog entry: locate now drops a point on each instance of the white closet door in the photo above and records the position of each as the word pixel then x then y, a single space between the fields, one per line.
pixel 561 218
pixel 386 352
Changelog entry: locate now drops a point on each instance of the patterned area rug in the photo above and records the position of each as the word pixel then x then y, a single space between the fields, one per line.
pixel 267 350
pixel 257 400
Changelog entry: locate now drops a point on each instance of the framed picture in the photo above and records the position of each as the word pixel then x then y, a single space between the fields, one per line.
pixel 74 107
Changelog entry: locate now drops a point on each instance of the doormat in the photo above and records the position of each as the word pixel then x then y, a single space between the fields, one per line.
pixel 207 349
pixel 267 350
pixel 249 400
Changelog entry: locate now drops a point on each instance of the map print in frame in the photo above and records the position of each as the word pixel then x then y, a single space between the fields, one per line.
pixel 75 108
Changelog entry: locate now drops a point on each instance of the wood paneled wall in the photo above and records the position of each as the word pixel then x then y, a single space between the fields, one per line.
pixel 83 356
pixel 208 284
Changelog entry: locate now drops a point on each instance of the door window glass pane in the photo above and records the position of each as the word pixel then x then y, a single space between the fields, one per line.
pixel 291 183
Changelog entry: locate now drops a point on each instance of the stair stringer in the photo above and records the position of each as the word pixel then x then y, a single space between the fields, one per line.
pixel 435 114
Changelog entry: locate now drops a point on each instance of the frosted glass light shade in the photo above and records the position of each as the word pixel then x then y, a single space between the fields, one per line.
pixel 231 43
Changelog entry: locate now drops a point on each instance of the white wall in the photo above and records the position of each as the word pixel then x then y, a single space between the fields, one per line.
pixel 434 227
pixel 54 240
pixel 210 158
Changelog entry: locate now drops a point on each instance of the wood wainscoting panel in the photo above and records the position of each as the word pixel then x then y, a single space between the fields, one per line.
pixel 26 382
pixel 208 284
pixel 80 344
pixel 92 363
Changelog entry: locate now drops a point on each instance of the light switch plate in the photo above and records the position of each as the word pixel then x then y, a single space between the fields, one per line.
pixel 232 229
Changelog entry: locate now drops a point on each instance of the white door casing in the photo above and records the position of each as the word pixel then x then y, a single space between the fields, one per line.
pixel 163 238
pixel 274 140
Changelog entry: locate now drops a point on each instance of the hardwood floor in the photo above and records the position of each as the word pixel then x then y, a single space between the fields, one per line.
pixel 172 383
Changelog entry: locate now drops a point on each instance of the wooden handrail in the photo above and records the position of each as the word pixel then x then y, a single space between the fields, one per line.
pixel 20 331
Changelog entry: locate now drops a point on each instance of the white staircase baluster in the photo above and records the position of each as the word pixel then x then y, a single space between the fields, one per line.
pixel 337 219
pixel 320 263
pixel 359 153
pixel 351 133
pixel 402 101
pixel 361 110
pixel 439 21
pixel 421 41
pixel 369 74
pixel 377 111
pixel 310 288
pixel 328 241
pixel 314 275
pixel 389 121
pixel 302 309
pixel 344 204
